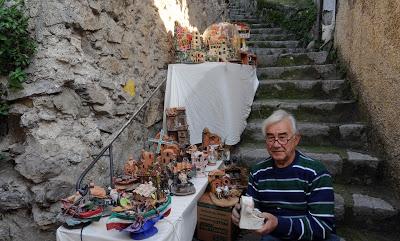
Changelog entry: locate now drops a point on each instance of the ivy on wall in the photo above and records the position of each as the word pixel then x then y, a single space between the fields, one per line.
pixel 16 46
pixel 295 16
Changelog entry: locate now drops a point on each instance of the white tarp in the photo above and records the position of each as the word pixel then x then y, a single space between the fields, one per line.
pixel 216 95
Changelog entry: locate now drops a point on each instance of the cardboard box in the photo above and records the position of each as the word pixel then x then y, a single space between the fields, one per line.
pixel 214 223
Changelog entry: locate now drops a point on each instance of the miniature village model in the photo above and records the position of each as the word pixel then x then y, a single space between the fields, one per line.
pixel 220 42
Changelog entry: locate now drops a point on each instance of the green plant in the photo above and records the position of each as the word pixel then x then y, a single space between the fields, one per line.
pixel 16 46
pixel 3 108
pixel 295 16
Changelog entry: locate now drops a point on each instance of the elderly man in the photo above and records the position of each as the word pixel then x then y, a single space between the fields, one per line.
pixel 293 191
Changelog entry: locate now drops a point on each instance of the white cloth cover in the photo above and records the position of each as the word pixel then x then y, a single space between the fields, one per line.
pixel 179 225
pixel 216 95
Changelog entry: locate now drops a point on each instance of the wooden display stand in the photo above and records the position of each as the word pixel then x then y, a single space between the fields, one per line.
pixel 213 222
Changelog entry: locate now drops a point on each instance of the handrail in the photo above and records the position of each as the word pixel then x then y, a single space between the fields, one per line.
pixel 108 146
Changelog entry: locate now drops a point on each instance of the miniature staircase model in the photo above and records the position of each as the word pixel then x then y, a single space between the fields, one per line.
pixel 307 85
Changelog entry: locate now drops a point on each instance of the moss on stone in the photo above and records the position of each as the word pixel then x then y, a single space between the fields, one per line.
pixel 289 60
pixel 304 73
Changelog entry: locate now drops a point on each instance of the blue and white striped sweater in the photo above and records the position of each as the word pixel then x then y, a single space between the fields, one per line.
pixel 300 195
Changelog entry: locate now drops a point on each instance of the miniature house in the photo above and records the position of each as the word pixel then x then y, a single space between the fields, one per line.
pixel 177 126
pixel 196 40
pixel 130 167
pixel 197 57
pixel 146 159
pixel 210 138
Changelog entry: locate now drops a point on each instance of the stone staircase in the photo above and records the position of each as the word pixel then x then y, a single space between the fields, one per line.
pixel 306 84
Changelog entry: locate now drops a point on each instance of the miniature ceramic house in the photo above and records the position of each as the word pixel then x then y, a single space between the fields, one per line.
pixel 216 174
pixel 197 56
pixel 177 126
pixel 223 52
pixel 243 29
pixel 209 138
pixel 130 167
pixel 147 159
pixel 183 38
pixel 167 156
pixel 196 40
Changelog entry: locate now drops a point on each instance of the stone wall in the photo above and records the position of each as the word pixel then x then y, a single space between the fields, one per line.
pixel 74 99
pixel 368 38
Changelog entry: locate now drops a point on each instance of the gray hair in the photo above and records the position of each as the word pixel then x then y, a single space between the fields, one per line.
pixel 278 116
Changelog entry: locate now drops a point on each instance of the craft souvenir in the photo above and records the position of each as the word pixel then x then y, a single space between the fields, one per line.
pixel 238 176
pixel 97 192
pixel 222 192
pixel 181 185
pixel 177 126
pixel 138 211
pixel 196 40
pixel 183 38
pixel 244 33
pixel 248 58
pixel 212 155
pixel 209 138
pixel 197 56
pixel 146 159
pixel 222 42
pixel 78 210
pixel 199 160
pixel 249 216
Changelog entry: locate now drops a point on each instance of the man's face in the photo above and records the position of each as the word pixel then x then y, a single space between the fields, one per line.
pixel 281 142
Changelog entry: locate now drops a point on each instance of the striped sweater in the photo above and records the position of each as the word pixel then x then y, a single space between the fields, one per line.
pixel 300 195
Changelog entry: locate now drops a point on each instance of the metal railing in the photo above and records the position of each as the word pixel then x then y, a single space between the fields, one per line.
pixel 109 147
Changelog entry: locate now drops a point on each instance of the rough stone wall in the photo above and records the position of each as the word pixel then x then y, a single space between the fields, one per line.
pixel 368 38
pixel 74 99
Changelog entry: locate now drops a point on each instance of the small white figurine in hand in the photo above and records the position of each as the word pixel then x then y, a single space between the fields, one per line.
pixel 249 216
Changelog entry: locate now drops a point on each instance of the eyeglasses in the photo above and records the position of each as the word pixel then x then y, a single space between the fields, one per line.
pixel 281 140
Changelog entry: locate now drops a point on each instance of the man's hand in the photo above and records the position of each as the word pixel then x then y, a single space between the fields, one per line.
pixel 270 224
pixel 236 214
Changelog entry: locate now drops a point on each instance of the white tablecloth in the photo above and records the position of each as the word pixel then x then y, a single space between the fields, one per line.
pixel 179 225
pixel 216 95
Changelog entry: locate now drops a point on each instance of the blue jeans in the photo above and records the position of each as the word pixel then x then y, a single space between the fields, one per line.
pixel 332 237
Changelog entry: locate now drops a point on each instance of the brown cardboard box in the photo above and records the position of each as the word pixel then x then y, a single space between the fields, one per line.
pixel 214 223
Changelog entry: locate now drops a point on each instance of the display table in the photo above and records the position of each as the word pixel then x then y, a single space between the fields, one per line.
pixel 216 95
pixel 179 225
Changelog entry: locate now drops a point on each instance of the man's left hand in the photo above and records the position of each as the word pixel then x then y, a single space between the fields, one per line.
pixel 270 223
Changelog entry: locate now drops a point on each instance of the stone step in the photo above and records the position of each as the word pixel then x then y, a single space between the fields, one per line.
pixel 338 161
pixel 247 20
pixel 268 31
pixel 303 89
pixel 309 110
pixel 273 44
pixel 318 134
pixel 372 207
pixel 255 26
pixel 327 71
pixel 292 59
pixel 242 16
pixel 348 233
pixel 275 51
pixel 375 209
pixel 271 37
